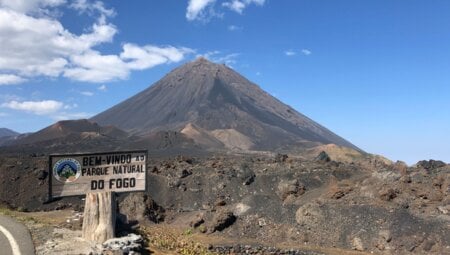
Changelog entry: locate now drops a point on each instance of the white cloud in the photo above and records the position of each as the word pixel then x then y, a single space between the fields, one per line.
pixel 44 107
pixel 27 6
pixel 217 57
pixel 85 6
pixel 148 56
pixel 229 59
pixel 51 108
pixel 39 45
pixel 103 88
pixel 71 116
pixel 9 97
pixel 306 52
pixel 70 106
pixel 8 79
pixel 94 67
pixel 87 93
pixel 290 53
pixel 42 46
pixel 196 9
pixel 234 28
pixel 204 10
pixel 239 5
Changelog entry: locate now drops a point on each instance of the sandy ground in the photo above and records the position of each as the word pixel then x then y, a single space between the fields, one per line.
pixel 59 232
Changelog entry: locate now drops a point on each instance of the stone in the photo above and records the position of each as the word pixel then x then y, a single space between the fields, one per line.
pixel 388 194
pixel 381 246
pixel 199 220
pixel 246 174
pixel 443 209
pixel 290 187
pixel 280 158
pixel 428 245
pixel 138 206
pixel 309 214
pixel 357 244
pixel 240 209
pixel 385 235
pixel 184 173
pixel 41 174
pixel 221 220
pixel 323 157
pixel 125 244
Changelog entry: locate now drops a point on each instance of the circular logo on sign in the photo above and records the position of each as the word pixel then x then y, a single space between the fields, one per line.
pixel 67 170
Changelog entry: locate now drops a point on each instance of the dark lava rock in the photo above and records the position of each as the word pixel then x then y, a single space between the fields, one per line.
pixel 323 157
pixel 187 159
pixel 258 249
pixel 280 158
pixel 430 164
pixel 221 220
pixel 199 220
pixel 41 174
pixel 388 194
pixel 138 207
pixel 246 174
pixel 290 187
pixel 184 173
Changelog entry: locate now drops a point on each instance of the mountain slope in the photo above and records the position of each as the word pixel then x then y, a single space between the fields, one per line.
pixel 7 132
pixel 76 130
pixel 215 98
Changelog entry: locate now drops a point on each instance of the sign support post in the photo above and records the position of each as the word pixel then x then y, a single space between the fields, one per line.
pixel 98 176
pixel 99 217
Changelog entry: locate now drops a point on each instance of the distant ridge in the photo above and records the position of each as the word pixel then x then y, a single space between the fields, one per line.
pixel 217 107
pixel 4 132
pixel 76 129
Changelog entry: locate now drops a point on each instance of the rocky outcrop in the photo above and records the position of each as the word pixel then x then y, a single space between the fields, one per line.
pixel 430 164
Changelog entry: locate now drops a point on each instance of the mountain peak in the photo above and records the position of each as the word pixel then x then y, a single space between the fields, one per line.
pixel 201 65
pixel 202 59
pixel 221 103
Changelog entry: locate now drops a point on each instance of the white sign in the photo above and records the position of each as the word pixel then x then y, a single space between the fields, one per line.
pixel 78 174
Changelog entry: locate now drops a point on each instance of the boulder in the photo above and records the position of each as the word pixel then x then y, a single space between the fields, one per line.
pixel 280 158
pixel 123 245
pixel 357 244
pixel 388 194
pixel 221 220
pixel 290 187
pixel 309 214
pixel 246 174
pixel 323 157
pixel 138 206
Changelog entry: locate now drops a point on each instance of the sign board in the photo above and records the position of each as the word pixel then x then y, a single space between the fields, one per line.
pixel 78 174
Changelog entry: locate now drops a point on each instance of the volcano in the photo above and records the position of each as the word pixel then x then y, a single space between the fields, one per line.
pixel 217 107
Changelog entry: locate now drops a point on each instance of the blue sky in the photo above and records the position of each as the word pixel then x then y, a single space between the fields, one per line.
pixel 375 72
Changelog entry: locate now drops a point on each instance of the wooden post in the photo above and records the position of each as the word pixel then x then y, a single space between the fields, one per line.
pixel 99 217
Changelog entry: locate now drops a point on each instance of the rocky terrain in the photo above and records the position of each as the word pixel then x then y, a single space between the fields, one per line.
pixel 232 170
pixel 274 200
